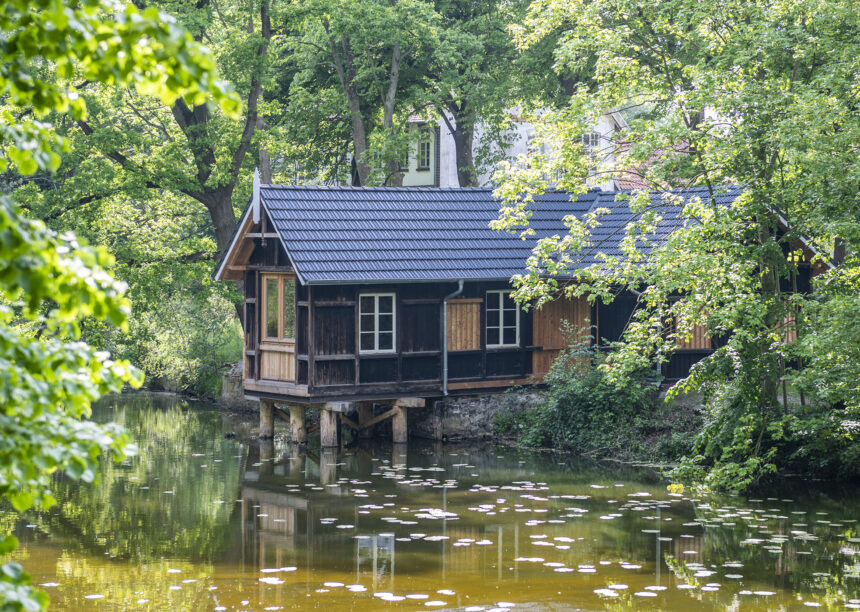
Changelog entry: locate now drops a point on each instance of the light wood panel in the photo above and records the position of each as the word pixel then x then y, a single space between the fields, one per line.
pixel 278 362
pixel 548 333
pixel 700 339
pixel 789 329
pixel 464 324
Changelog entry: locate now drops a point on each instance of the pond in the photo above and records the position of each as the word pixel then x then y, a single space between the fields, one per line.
pixel 206 518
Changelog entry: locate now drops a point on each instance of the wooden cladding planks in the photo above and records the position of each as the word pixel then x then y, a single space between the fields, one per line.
pixel 548 320
pixel 548 332
pixel 278 362
pixel 699 340
pixel 464 324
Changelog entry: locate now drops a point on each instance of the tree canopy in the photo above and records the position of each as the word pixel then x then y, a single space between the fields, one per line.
pixel 760 95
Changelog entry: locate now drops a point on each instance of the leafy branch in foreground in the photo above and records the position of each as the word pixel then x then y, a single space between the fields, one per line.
pixel 50 283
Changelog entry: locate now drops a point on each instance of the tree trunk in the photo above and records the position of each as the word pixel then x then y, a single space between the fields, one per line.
pixel 265 163
pixel 359 139
pixel 839 250
pixel 346 73
pixel 463 132
pixel 394 175
pixel 466 175
pixel 774 317
pixel 219 203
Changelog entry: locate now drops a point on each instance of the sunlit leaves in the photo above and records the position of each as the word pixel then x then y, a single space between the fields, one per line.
pixel 50 45
pixel 760 95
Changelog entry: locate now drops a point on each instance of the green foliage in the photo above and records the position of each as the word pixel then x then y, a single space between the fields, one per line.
pixel 16 589
pixel 757 95
pixel 48 284
pixel 585 411
pixel 188 342
pixel 51 283
pixel 47 44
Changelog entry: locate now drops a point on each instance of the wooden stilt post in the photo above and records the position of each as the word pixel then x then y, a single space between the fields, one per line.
pixel 329 423
pixel 298 432
pixel 267 419
pixel 365 413
pixel 399 431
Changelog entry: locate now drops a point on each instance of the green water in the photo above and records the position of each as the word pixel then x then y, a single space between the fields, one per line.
pixel 200 521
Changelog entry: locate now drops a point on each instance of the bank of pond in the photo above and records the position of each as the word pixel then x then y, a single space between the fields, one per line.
pixel 206 517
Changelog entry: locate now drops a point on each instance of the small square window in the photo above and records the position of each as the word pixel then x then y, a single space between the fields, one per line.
pixel 376 321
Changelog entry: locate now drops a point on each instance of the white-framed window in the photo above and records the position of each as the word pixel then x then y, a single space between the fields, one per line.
pixel 376 323
pixel 503 319
pixel 424 153
pixel 591 142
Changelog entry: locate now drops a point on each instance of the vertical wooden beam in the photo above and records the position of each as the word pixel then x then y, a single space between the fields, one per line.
pixel 365 413
pixel 298 431
pixel 328 428
pixel 357 318
pixel 311 343
pixel 399 431
pixel 267 419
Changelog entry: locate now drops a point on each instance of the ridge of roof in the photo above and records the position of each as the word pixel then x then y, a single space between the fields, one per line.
pixel 386 189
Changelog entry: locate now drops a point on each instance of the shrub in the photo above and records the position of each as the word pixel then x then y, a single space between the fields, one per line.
pixel 584 411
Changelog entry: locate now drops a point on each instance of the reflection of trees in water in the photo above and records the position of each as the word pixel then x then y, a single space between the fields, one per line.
pixel 151 581
pixel 163 502
pixel 830 570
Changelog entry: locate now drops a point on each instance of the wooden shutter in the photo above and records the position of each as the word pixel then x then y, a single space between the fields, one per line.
pixel 464 324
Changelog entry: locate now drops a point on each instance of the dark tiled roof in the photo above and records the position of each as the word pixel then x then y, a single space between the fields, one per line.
pixel 353 234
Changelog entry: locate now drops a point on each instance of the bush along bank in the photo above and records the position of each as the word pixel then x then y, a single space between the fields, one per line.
pixel 584 412
pixel 712 445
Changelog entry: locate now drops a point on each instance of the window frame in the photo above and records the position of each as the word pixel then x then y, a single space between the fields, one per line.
pixel 281 279
pixel 376 331
pixel 591 142
pixel 501 326
pixel 428 141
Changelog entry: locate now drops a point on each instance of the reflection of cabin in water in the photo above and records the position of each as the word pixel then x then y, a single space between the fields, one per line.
pixel 374 294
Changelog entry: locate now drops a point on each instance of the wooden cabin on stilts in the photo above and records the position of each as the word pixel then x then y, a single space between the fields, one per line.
pixel 396 297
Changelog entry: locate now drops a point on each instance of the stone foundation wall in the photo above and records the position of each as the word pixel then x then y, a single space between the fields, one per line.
pixel 467 417
pixel 232 395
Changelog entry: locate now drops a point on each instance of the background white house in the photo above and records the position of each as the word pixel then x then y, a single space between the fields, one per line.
pixel 432 160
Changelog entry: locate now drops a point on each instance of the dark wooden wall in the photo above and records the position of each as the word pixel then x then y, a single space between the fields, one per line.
pixel 327 344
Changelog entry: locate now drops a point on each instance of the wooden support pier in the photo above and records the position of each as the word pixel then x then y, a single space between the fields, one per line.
pixel 333 415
